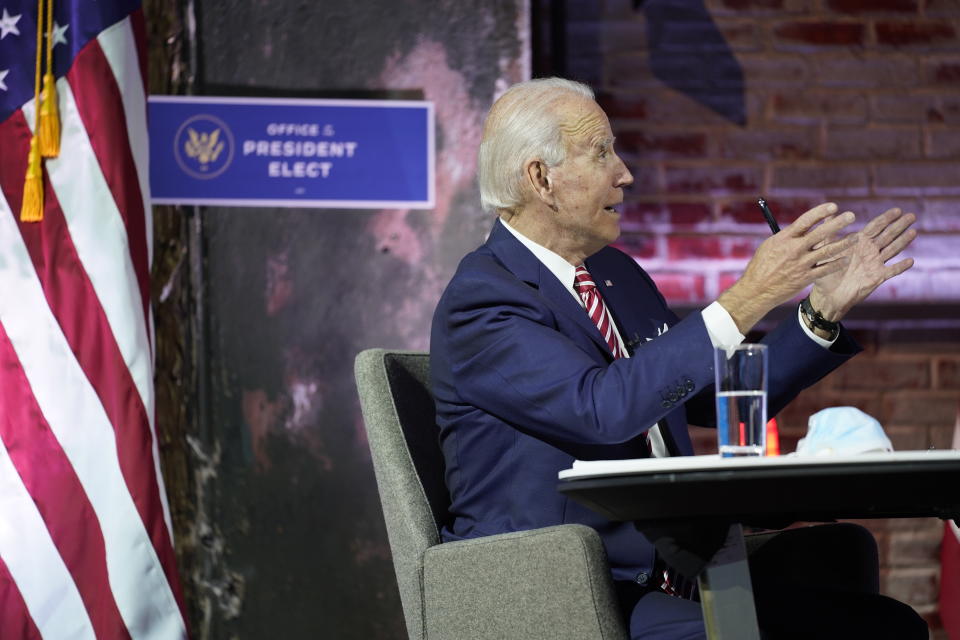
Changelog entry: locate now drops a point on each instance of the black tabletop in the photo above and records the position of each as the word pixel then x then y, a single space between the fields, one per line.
pixel 770 490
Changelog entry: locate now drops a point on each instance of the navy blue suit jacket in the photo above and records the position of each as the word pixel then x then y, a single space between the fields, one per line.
pixel 524 384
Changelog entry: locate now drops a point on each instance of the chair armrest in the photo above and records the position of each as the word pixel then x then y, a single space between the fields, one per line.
pixel 545 583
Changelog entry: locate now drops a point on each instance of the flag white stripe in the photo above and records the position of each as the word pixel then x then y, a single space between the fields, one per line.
pixel 78 421
pixel 100 237
pixel 33 560
pixel 120 49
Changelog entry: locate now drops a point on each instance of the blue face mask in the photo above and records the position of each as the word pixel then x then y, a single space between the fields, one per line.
pixel 843 431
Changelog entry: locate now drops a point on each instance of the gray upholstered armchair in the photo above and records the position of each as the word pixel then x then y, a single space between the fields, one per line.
pixel 551 583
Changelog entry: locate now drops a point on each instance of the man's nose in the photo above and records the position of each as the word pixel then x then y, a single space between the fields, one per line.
pixel 624 177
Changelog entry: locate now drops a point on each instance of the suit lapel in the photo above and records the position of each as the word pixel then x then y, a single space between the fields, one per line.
pixel 526 266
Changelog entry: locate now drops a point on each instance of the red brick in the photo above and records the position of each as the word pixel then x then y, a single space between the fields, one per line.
pixel 915 34
pixel 874 6
pixel 843 69
pixel 949 111
pixel 907 438
pixel 715 179
pixel 941 437
pixel 769 144
pixel 680 287
pixel 684 247
pixel 925 409
pixel 726 281
pixel 622 105
pixel 939 214
pixel 949 8
pixel 660 145
pixel 873 374
pixel 808 107
pixel 943 143
pixel 646 177
pixel 942 72
pixel 948 374
pixel 915 586
pixel 899 107
pixel 920 284
pixel 771 70
pixel 685 214
pixel 672 215
pixel 742 5
pixel 851 180
pixel 876 143
pixel 739 7
pixel 819 34
pixel 665 106
pixel 638 245
pixel 747 211
pixel 917 547
pixel 927 177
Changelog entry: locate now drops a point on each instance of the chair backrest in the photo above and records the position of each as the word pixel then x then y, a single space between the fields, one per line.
pixel 400 419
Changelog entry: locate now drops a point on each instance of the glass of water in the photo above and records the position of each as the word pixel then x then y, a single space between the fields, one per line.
pixel 741 382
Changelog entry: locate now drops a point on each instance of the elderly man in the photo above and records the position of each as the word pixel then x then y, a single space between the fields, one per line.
pixel 548 346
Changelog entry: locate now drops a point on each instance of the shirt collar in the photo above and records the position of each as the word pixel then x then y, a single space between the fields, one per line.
pixel 559 267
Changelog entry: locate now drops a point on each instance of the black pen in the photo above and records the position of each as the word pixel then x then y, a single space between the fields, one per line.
pixel 769 216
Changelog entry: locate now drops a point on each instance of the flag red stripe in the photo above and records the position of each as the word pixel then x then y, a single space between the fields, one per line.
pixel 52 483
pixel 13 610
pixel 75 305
pixel 138 24
pixel 950 582
pixel 98 100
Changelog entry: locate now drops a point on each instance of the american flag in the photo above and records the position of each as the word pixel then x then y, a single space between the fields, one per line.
pixel 85 537
pixel 950 566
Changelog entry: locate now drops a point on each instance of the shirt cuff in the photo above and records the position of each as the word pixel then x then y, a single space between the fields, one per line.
pixel 721 328
pixel 826 344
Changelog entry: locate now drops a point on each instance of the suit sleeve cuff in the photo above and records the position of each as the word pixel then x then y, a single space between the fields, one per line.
pixel 721 328
pixel 826 344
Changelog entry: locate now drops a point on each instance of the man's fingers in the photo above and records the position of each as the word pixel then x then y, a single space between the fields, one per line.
pixel 878 224
pixel 826 269
pixel 829 228
pixel 895 230
pixel 805 222
pixel 897 268
pixel 897 245
pixel 829 250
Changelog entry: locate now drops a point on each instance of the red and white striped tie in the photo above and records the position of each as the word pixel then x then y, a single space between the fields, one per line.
pixel 596 309
pixel 671 582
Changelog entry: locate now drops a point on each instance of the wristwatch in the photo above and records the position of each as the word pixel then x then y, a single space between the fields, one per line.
pixel 817 321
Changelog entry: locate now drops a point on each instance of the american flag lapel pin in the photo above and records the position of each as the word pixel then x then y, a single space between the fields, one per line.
pixel 609 283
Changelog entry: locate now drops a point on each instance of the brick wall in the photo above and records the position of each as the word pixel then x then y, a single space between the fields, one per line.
pixel 851 101
pixel 855 102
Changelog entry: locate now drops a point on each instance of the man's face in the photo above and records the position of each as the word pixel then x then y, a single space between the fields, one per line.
pixel 590 181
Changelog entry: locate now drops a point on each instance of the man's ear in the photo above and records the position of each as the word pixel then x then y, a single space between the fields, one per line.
pixel 538 177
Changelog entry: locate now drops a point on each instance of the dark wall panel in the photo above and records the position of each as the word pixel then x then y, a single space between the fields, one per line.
pixel 290 526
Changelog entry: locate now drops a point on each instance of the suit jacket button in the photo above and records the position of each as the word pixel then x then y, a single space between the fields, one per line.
pixel 673 396
pixel 666 404
pixel 690 385
pixel 681 390
pixel 643 578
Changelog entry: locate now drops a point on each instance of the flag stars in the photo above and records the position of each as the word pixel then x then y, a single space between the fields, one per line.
pixel 8 24
pixel 3 75
pixel 59 33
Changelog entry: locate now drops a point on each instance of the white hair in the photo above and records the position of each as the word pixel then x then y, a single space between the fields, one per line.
pixel 522 125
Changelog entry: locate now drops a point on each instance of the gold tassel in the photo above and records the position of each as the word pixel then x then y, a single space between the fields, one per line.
pixel 32 208
pixel 49 125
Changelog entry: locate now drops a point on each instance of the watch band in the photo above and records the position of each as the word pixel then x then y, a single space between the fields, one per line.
pixel 817 320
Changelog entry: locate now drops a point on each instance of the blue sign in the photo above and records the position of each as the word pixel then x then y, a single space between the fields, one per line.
pixel 264 152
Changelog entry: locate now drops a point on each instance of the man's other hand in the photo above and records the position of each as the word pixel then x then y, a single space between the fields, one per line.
pixel 863 265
